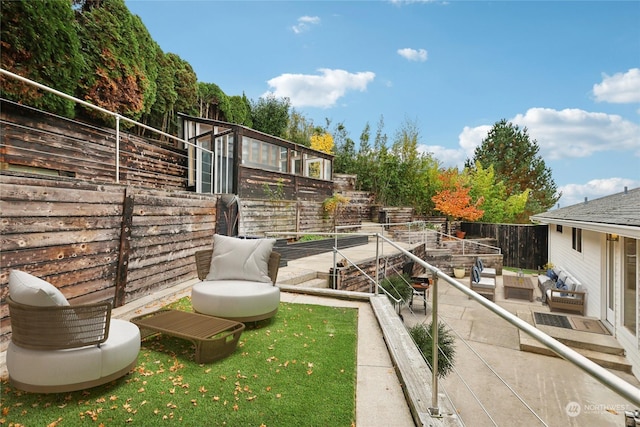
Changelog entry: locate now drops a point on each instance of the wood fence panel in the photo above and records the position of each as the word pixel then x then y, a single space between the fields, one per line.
pixel 68 232
pixel 523 245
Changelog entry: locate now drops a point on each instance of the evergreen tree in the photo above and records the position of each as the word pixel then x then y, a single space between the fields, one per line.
pixel 116 46
pixel 515 160
pixel 213 103
pixel 39 41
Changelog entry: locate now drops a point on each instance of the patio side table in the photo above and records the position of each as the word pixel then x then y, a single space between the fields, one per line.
pixel 214 338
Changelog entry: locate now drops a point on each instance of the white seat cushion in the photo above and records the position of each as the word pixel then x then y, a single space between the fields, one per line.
pixel 53 367
pixel 234 298
pixel 121 348
pixel 485 283
pixel 76 365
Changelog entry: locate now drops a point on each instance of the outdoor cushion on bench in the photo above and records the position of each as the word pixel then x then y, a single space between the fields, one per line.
pixel 238 279
pixel 485 286
pixel 484 271
pixel 561 291
pixel 56 347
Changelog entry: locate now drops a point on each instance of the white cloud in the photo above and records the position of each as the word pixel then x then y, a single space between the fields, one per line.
pixel 594 189
pixel 419 55
pixel 621 88
pixel 305 23
pixel 448 157
pixel 569 133
pixel 574 133
pixel 324 90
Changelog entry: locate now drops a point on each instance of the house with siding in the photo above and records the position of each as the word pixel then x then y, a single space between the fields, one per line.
pixel 598 242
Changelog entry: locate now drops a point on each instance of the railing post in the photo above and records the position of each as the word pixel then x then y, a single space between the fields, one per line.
pixel 117 149
pixel 434 410
pixel 377 264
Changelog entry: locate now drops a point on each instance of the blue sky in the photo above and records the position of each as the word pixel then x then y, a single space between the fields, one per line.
pixel 567 71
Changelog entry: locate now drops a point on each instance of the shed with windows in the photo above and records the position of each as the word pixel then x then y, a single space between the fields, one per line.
pixel 229 158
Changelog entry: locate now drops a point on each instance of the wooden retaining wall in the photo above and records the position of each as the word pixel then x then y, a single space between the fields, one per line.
pixel 35 139
pixel 261 217
pixel 351 279
pixel 99 242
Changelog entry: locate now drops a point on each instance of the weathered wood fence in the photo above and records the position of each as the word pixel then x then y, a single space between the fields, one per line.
pixel 523 246
pixel 98 242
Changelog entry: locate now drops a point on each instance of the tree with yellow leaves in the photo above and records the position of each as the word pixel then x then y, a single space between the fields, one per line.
pixel 322 142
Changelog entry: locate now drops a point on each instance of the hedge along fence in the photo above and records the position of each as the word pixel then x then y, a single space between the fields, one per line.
pixel 98 242
pixel 350 278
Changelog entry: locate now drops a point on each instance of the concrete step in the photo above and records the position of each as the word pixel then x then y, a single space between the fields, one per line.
pixel 606 360
pixel 601 349
pixel 316 283
pixel 295 276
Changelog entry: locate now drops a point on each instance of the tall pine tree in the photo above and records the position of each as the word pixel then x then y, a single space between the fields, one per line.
pixel 515 160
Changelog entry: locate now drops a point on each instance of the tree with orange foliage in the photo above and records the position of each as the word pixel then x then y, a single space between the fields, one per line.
pixel 457 204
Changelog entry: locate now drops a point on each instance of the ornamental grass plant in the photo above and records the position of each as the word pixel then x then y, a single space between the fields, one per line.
pixel 298 368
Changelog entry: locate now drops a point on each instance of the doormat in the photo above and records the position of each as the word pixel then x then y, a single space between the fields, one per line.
pixel 588 325
pixel 557 320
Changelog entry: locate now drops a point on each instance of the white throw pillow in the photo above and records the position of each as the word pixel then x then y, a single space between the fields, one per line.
pixel 240 259
pixel 30 290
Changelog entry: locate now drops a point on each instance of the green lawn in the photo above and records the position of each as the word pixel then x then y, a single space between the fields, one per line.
pixel 298 369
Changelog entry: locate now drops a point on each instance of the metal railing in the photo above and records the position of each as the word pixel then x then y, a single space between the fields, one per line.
pixel 117 117
pixel 613 382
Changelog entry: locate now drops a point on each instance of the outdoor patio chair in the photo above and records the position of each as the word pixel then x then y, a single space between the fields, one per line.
pixel 238 279
pixel 56 347
pixel 485 286
pixel 485 272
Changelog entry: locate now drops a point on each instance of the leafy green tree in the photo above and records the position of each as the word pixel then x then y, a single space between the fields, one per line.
pixel 416 172
pixel 239 110
pixel 39 41
pixel 497 206
pixel 186 84
pixel 514 157
pixel 270 115
pixel 299 129
pixel 345 151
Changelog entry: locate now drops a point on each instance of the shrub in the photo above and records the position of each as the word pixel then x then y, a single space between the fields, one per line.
pixel 398 287
pixel 421 335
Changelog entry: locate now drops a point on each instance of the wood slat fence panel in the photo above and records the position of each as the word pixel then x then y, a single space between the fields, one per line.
pixel 523 246
pixel 70 233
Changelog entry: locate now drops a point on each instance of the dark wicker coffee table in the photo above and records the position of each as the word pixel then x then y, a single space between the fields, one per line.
pixel 518 285
pixel 214 338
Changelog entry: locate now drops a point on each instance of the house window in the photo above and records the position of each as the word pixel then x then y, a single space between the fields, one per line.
pixel 630 285
pixel 576 237
pixel 559 228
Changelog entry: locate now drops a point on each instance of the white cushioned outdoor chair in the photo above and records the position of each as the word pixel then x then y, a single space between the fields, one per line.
pixel 238 279
pixel 56 347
